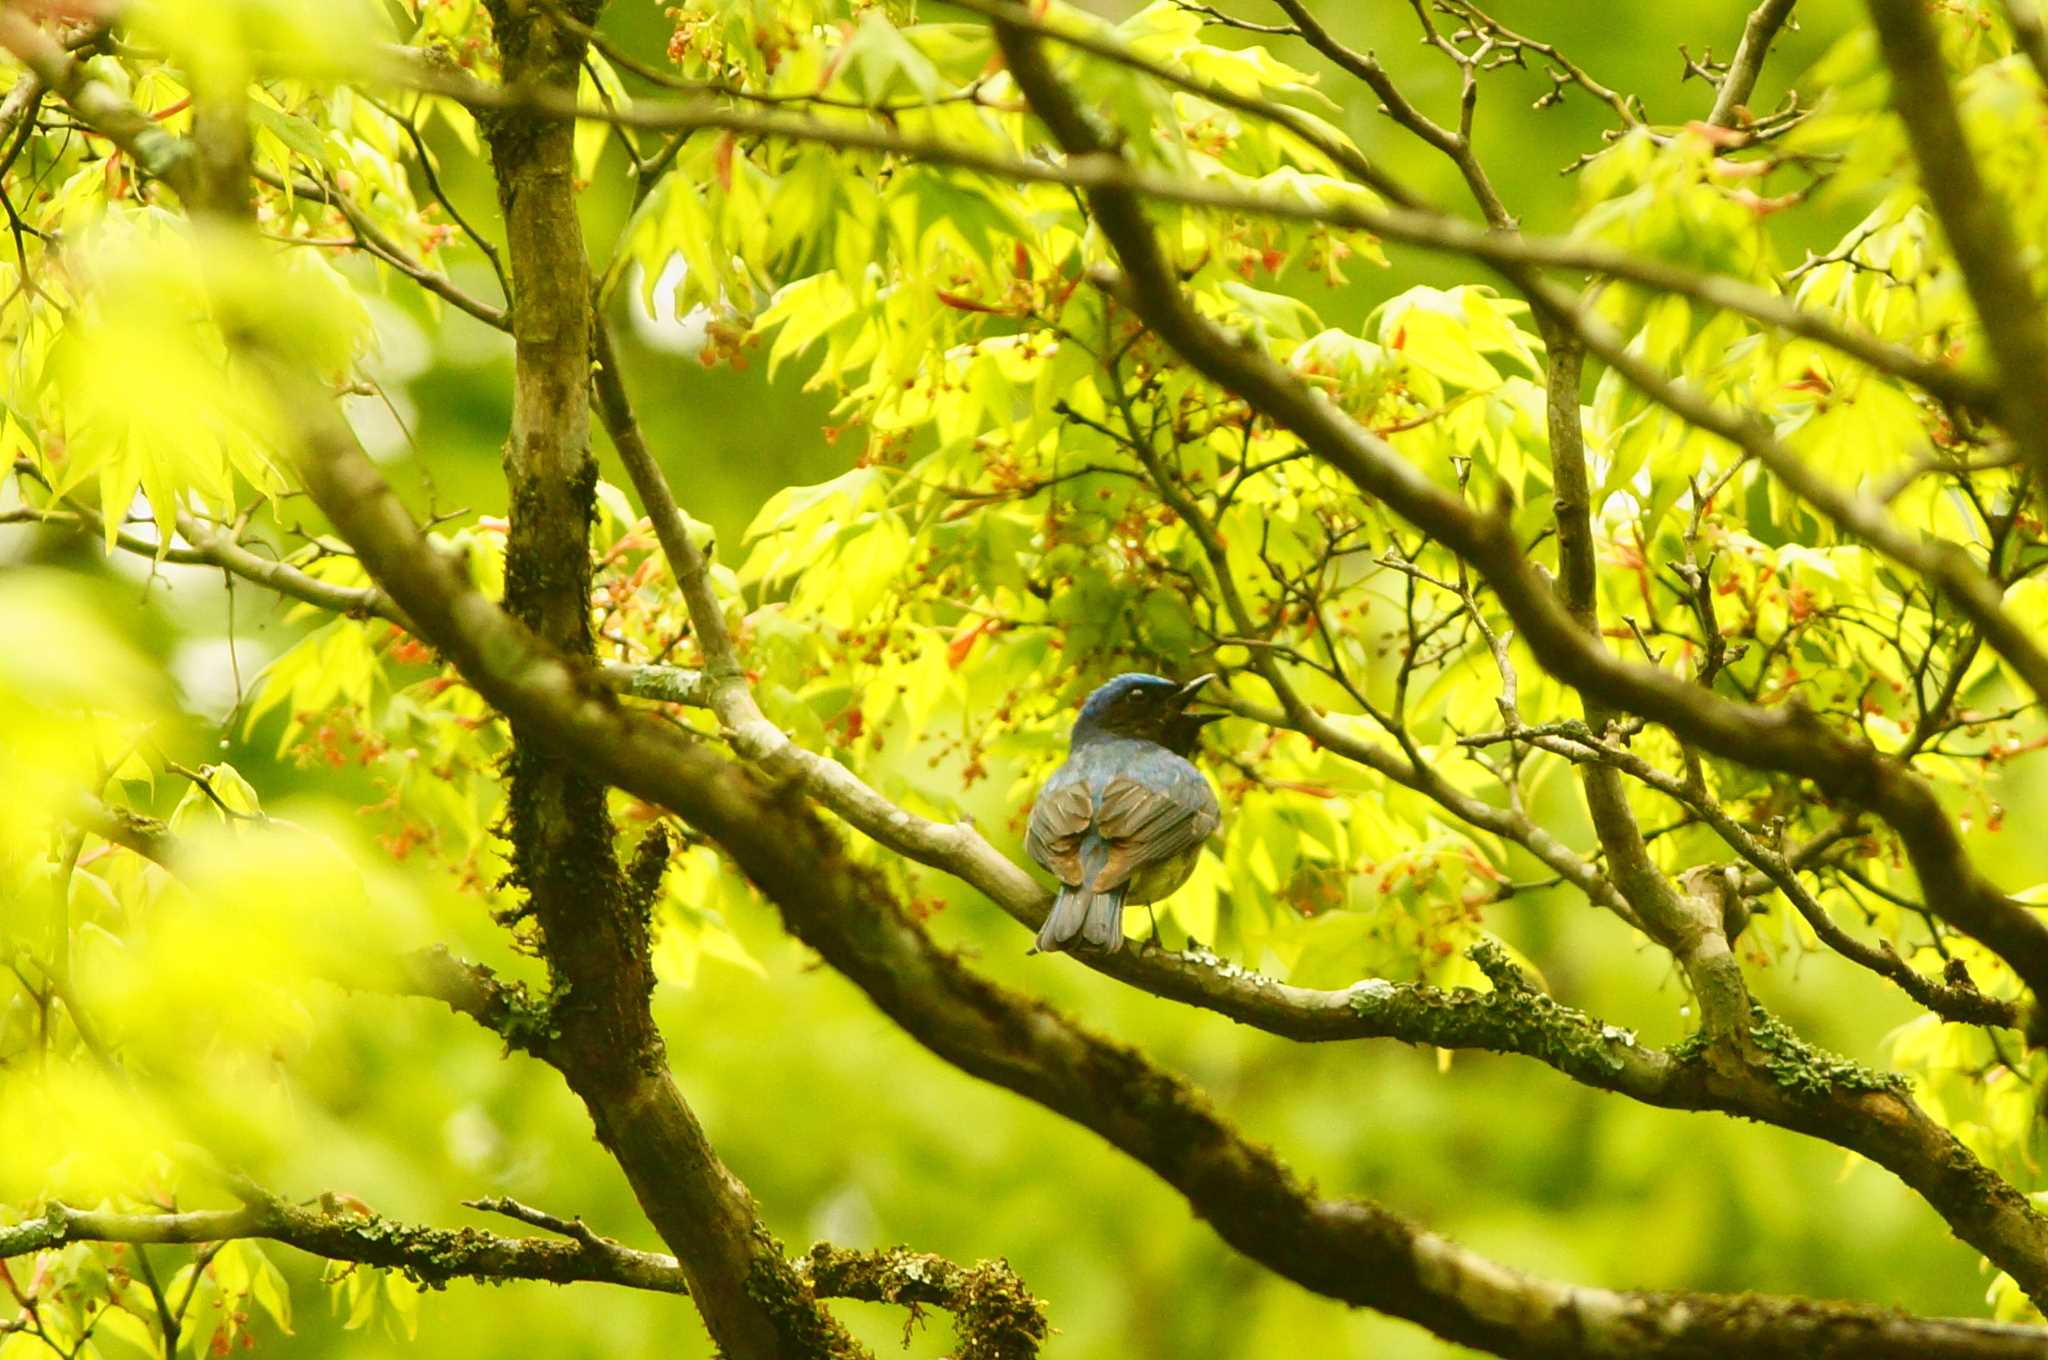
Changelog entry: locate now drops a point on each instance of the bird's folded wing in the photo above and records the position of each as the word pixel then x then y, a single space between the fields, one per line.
pixel 1152 819
pixel 1062 815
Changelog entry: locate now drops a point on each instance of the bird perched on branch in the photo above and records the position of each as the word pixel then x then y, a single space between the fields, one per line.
pixel 1123 820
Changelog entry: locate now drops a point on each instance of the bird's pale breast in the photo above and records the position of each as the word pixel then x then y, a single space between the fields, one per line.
pixel 1155 881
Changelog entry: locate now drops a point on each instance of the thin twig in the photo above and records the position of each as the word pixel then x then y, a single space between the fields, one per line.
pixel 1758 32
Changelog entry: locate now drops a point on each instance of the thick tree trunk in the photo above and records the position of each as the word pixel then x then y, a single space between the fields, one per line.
pixel 594 922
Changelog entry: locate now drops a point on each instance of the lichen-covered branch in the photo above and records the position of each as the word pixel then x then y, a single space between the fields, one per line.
pixel 430 1256
pixel 1563 645
pixel 958 848
pixel 506 1009
pixel 1953 1002
pixel 149 837
pixel 1349 1249
pixel 995 1316
pixel 1856 772
pixel 210 545
pixel 1511 1019
pixel 593 922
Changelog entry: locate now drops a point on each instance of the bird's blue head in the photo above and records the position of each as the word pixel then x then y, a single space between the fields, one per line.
pixel 1147 707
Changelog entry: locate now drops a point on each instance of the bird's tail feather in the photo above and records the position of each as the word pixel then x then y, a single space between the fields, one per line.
pixel 1095 919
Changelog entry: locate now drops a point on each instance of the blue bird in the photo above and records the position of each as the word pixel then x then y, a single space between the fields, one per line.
pixel 1123 820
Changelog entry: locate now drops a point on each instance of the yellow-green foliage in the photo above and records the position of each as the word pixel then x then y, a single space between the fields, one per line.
pixel 971 536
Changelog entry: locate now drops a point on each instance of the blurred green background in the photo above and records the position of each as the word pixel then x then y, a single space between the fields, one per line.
pixel 846 1130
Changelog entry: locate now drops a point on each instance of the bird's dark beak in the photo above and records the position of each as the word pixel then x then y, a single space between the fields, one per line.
pixel 1188 694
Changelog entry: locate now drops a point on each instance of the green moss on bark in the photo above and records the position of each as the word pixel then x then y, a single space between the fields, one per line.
pixel 995 1316
pixel 1795 1065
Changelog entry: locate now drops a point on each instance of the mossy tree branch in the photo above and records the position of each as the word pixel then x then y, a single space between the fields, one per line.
pixel 1349 1249
pixel 1169 1130
pixel 995 1313
pixel 1253 998
pixel 1890 1130
pixel 2004 1223
pixel 429 1256
pixel 995 1316
pixel 595 927
pixel 1954 1002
